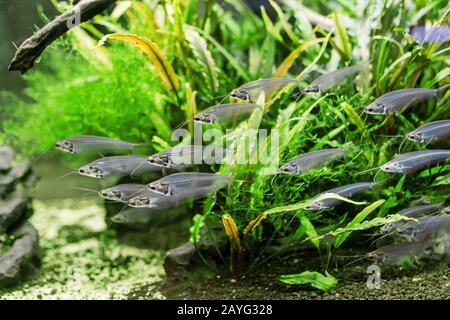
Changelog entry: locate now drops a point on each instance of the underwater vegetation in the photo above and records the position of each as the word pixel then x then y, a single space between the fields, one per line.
pixel 305 129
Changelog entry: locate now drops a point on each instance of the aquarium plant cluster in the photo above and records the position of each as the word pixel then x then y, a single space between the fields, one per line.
pixel 351 105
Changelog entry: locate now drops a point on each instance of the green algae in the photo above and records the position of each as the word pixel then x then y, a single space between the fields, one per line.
pixel 82 259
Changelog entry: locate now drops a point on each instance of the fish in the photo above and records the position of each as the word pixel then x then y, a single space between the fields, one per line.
pixel 310 160
pixel 179 157
pixel 117 166
pixel 84 144
pixel 412 212
pixel 225 112
pixel 330 79
pixel 179 182
pixel 124 192
pixel 250 91
pixel 346 191
pixel 399 100
pixel 140 216
pixel 425 228
pixel 415 161
pixel 433 131
pixel 395 252
pixel 160 201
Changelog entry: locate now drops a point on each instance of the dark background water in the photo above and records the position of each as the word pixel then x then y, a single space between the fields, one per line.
pixel 18 20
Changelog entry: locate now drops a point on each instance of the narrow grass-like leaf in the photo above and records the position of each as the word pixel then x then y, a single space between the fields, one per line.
pixel 153 53
pixel 342 38
pixel 286 25
pixel 310 230
pixel 356 220
pixel 196 228
pixel 376 222
pixel 203 56
pixel 191 109
pixel 232 231
pixel 294 207
pixel 287 63
pixel 270 26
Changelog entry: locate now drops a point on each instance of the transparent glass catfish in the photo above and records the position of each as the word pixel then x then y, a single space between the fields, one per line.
pixel 426 227
pixel 252 90
pixel 346 191
pixel 412 212
pixel 415 161
pixel 117 166
pixel 180 182
pixel 223 113
pixel 330 79
pixel 397 101
pixel 86 144
pixel 430 132
pixel 161 201
pixel 182 156
pixel 310 160
pixel 124 192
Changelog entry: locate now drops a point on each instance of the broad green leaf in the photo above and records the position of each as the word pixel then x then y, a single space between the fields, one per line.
pixel 317 280
pixel 310 230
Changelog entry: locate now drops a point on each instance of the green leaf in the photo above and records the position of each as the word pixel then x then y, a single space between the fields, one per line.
pixel 203 56
pixel 376 222
pixel 356 220
pixel 196 229
pixel 317 280
pixel 310 230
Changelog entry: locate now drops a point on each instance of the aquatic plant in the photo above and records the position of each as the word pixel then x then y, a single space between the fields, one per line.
pixel 196 51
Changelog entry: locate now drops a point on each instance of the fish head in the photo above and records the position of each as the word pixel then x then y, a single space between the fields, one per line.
pixel 204 118
pixel 112 194
pixel 446 210
pixel 161 188
pixel 393 167
pixel 240 95
pixel 313 88
pixel 161 160
pixel 415 136
pixel 91 171
pixel 376 108
pixel 141 202
pixel 66 146
pixel 289 168
pixel 388 227
pixel 377 255
pixel 316 206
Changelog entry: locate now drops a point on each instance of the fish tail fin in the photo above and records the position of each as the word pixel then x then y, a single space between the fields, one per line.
pixel 442 90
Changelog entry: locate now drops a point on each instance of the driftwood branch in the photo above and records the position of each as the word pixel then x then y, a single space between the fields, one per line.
pixel 32 47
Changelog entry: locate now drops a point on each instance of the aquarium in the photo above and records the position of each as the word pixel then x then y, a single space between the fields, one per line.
pixel 225 150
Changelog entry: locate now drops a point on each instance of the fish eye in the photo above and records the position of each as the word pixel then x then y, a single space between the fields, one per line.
pixel 151 160
pixel 81 170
